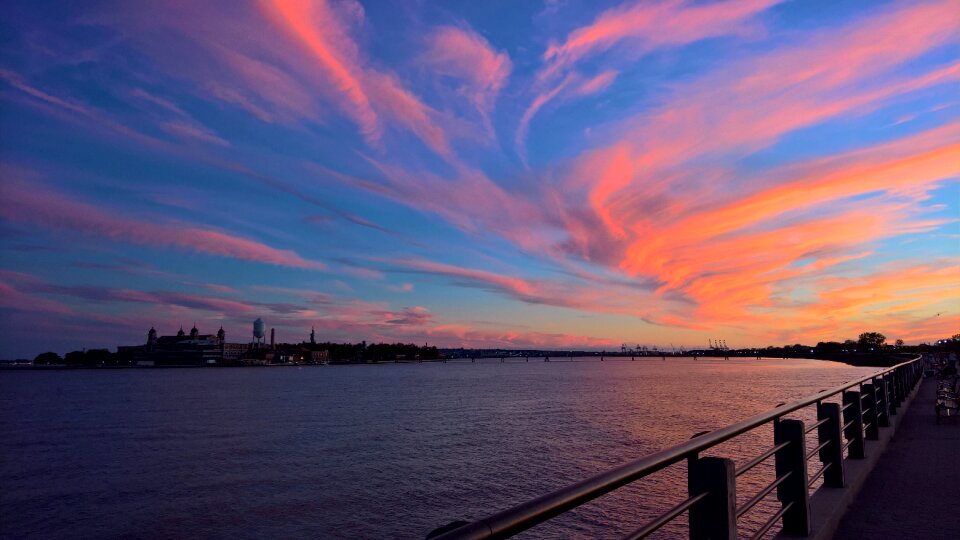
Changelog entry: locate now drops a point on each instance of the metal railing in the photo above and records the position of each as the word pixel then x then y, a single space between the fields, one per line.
pixel 867 405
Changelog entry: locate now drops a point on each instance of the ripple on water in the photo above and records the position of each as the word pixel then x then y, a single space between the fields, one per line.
pixel 368 451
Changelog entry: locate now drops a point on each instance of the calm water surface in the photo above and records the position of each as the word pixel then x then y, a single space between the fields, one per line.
pixel 385 451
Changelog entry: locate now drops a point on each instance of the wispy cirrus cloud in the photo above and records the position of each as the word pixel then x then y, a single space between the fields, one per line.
pixel 36 205
pixel 743 186
pixel 649 25
pixel 463 54
pixel 367 95
pixel 644 26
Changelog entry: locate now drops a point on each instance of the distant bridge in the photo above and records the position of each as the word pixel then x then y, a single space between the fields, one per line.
pixel 600 356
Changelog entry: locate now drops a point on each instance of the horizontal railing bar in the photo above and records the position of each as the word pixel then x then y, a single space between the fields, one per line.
pixel 763 493
pixel 533 512
pixel 772 521
pixel 761 458
pixel 867 425
pixel 848 424
pixel 820 447
pixel 665 518
pixel 847 406
pixel 847 444
pixel 816 424
pixel 818 474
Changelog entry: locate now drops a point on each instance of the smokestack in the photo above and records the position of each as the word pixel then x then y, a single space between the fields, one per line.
pixel 273 338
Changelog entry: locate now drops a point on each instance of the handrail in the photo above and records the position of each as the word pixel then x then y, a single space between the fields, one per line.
pixel 817 450
pixel 649 528
pixel 761 458
pixel 773 519
pixel 818 423
pixel 535 511
pixel 816 476
pixel 763 493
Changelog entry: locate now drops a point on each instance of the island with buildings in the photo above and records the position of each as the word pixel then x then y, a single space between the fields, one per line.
pixel 193 349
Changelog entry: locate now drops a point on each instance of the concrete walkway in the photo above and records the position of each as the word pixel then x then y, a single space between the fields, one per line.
pixel 914 491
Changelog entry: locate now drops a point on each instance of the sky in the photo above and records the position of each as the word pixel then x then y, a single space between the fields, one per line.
pixel 558 174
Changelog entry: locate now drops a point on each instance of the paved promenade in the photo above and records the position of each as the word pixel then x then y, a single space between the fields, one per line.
pixel 914 491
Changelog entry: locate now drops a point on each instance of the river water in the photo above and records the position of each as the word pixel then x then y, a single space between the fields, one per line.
pixel 378 451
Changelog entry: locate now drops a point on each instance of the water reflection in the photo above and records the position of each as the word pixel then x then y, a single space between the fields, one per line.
pixel 369 451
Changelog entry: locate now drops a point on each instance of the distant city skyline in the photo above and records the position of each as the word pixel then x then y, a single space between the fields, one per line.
pixel 564 174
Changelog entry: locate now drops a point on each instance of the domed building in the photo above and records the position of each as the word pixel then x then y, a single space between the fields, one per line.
pixel 182 349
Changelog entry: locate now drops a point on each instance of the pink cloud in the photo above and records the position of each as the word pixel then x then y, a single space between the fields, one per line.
pixel 405 108
pixel 586 294
pixel 466 55
pixel 470 200
pixel 559 92
pixel 39 206
pixel 598 83
pixel 313 23
pixel 415 316
pixel 538 102
pixel 648 25
pixel 673 151
pixel 367 95
pixel 402 288
pixel 193 131
pixel 453 335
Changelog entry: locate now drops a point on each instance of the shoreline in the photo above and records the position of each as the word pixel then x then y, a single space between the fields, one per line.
pixel 858 360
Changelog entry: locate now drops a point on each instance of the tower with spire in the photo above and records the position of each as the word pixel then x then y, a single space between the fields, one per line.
pixel 221 335
pixel 194 333
pixel 152 336
pixel 181 333
pixel 313 336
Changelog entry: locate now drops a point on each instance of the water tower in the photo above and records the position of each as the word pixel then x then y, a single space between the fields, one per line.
pixel 258 331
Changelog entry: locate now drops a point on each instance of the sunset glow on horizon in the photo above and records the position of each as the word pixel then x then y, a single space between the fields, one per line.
pixel 562 174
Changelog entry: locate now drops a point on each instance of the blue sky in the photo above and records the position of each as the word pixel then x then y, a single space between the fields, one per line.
pixel 557 174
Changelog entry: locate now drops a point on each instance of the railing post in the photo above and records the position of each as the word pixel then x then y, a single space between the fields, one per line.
pixel 883 410
pixel 792 460
pixel 716 515
pixel 831 456
pixel 897 389
pixel 869 392
pixel 854 413
pixel 892 393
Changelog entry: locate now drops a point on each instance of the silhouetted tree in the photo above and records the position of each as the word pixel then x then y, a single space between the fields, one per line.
pixel 98 357
pixel 827 347
pixel 871 340
pixel 47 358
pixel 899 343
pixel 91 357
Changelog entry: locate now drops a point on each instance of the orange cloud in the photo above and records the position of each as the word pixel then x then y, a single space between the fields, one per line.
pixel 753 103
pixel 309 20
pixel 367 94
